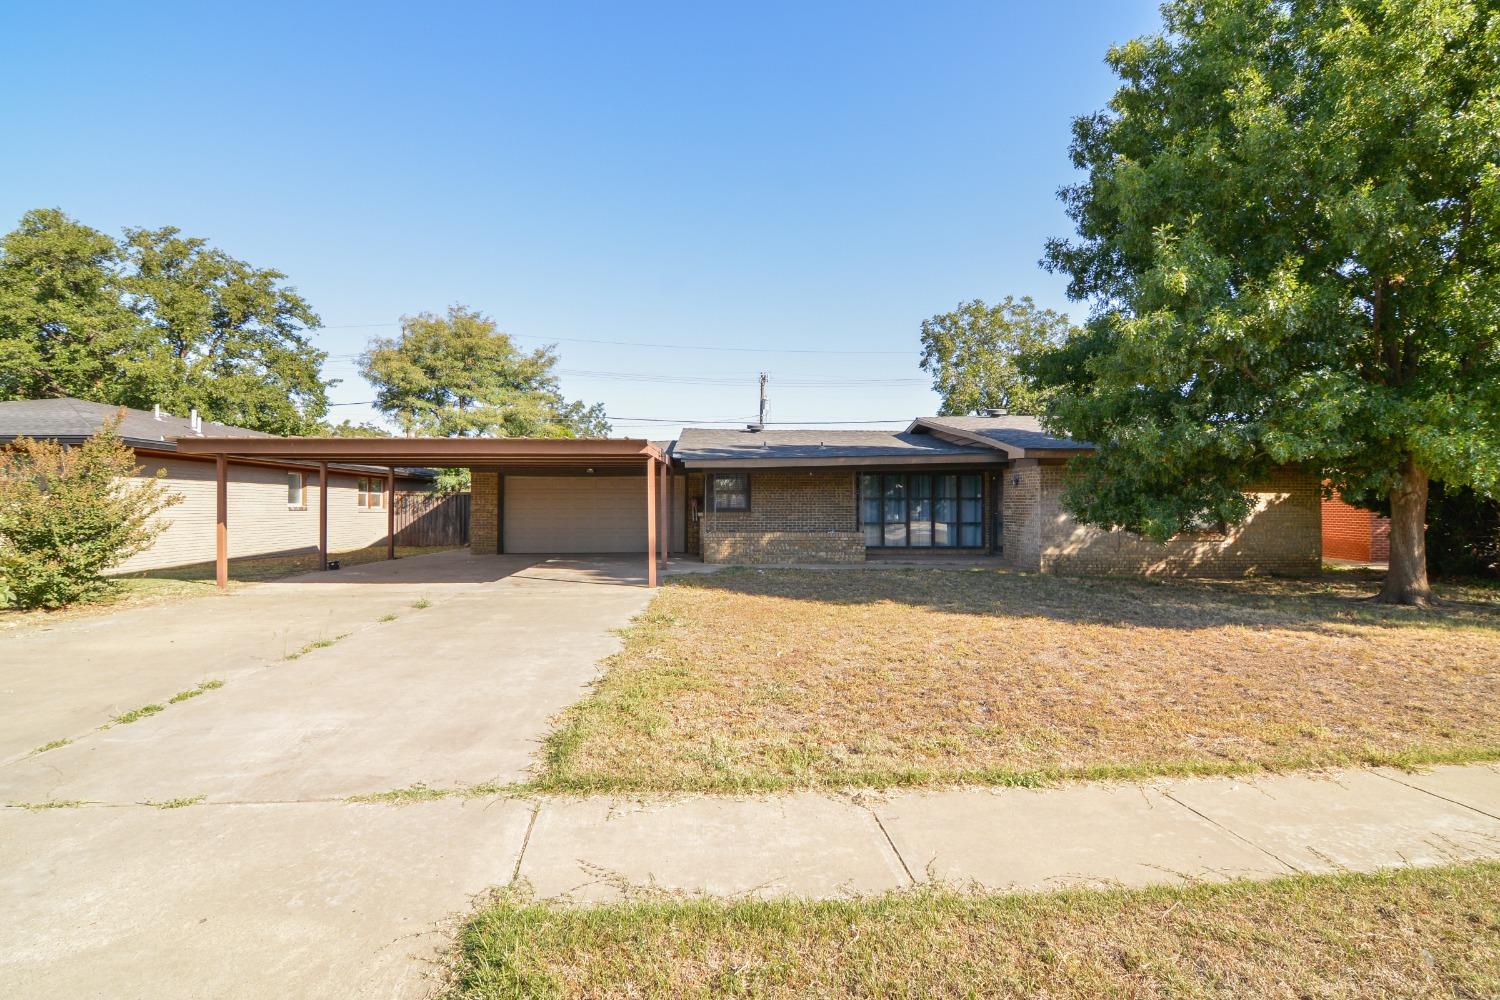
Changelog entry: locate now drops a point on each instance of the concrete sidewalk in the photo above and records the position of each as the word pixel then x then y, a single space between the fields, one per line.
pixel 321 899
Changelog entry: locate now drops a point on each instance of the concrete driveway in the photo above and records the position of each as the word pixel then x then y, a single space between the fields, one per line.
pixel 274 884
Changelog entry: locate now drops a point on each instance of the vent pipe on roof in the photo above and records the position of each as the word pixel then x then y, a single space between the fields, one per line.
pixel 156 410
pixel 995 411
pixel 195 422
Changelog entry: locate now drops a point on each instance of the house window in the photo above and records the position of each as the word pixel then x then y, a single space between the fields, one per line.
pixel 296 495
pixel 371 492
pixel 731 491
pixel 904 510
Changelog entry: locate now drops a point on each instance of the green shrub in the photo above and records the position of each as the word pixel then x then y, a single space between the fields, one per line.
pixel 69 513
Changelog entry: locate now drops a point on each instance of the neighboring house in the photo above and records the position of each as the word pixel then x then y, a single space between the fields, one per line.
pixel 1351 532
pixel 273 505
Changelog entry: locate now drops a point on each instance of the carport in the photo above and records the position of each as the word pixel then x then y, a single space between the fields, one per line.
pixel 581 459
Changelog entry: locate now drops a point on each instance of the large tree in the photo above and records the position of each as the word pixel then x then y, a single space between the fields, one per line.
pixel 972 354
pixel 1290 235
pixel 225 337
pixel 457 375
pixel 64 330
pixel 154 318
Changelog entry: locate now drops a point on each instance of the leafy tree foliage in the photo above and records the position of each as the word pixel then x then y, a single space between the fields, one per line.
pixel 1290 234
pixel 223 336
pixel 69 514
pixel 457 375
pixel 64 327
pixel 348 429
pixel 972 354
pixel 154 318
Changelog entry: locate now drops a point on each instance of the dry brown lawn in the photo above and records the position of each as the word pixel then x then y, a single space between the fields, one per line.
pixel 774 679
pixel 1407 934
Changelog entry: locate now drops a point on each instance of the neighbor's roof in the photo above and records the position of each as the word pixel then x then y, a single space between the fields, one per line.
pixel 72 421
pixel 1016 434
pixel 718 447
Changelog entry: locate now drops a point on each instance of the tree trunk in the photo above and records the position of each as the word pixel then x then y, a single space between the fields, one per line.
pixel 1406 580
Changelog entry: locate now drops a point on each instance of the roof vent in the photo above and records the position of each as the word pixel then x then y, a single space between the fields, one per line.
pixel 995 411
pixel 156 410
pixel 755 428
pixel 195 422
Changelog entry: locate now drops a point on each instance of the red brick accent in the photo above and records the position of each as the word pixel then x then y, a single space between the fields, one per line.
pixel 1351 532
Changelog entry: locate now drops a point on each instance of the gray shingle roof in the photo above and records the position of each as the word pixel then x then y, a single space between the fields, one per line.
pixel 1015 430
pixel 72 420
pixel 706 444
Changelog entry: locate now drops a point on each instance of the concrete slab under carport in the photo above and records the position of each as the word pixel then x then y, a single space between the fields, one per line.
pixel 257 901
pixel 599 849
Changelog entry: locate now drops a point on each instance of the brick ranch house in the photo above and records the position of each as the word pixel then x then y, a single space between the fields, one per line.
pixel 985 486
pixel 274 505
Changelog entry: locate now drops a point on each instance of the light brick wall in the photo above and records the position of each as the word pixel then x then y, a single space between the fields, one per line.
pixel 260 522
pixel 794 516
pixel 1021 523
pixel 484 512
pixel 1282 536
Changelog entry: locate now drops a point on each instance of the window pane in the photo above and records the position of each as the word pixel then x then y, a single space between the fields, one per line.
pixel 970 511
pixel 364 491
pixel 873 533
pixel 895 534
pixel 895 510
pixel 943 534
pixel 869 486
pixel 869 509
pixel 971 536
pixel 731 492
pixel 947 486
pixel 294 489
pixel 921 487
pixel 970 486
pixel 895 488
pixel 921 510
pixel 921 533
pixel 946 510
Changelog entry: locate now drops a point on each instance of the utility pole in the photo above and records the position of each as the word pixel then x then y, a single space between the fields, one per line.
pixel 763 399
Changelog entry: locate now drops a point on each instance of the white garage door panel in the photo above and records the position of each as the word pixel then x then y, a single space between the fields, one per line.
pixel 575 514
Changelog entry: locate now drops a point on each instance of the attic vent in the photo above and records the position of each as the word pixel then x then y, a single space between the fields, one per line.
pixel 156 410
pixel 195 422
pixel 996 411
pixel 755 428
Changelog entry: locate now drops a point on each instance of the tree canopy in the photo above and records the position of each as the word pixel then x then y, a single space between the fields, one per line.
pixel 1289 235
pixel 972 354
pixel 457 375
pixel 156 317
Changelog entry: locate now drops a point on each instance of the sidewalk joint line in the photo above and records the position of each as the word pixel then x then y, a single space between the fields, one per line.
pixel 886 833
pixel 536 809
pixel 1215 823
pixel 1436 795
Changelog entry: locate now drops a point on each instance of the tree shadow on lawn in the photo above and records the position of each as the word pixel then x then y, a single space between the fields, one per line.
pixel 1318 604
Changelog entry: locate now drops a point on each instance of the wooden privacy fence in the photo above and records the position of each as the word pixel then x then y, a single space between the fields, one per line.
pixel 429 519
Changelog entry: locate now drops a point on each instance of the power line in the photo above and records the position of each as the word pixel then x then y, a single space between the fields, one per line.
pixel 631 343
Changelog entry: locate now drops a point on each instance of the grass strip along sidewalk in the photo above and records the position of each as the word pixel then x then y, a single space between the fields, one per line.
pixel 1404 934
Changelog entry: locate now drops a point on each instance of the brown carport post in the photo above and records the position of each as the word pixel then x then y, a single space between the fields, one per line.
pixel 323 515
pixel 650 522
pixel 390 514
pixel 665 529
pixel 221 525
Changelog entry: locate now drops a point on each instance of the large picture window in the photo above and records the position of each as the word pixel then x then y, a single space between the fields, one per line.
pixel 731 491
pixel 905 510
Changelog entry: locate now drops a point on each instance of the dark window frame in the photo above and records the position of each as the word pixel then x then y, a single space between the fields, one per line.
pixel 713 493
pixel 933 495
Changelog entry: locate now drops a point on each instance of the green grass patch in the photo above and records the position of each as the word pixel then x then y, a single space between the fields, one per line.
pixel 388 618
pixel 421 603
pixel 316 644
pixel 51 746
pixel 1409 933
pixel 182 696
pixel 182 803
pixel 134 715
pixel 51 804
pixel 421 792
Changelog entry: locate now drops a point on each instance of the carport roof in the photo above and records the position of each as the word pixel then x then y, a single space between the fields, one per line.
pixel 432 452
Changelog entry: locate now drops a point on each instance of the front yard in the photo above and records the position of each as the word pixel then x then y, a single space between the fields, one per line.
pixel 1411 933
pixel 760 680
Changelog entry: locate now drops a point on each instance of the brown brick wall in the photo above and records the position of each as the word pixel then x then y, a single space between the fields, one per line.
pixel 1021 525
pixel 1281 536
pixel 484 514
pixel 1351 532
pixel 794 516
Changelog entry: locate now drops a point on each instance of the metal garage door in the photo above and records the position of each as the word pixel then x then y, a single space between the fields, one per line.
pixel 575 514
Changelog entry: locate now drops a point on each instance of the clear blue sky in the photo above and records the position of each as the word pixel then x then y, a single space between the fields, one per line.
pixel 778 177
